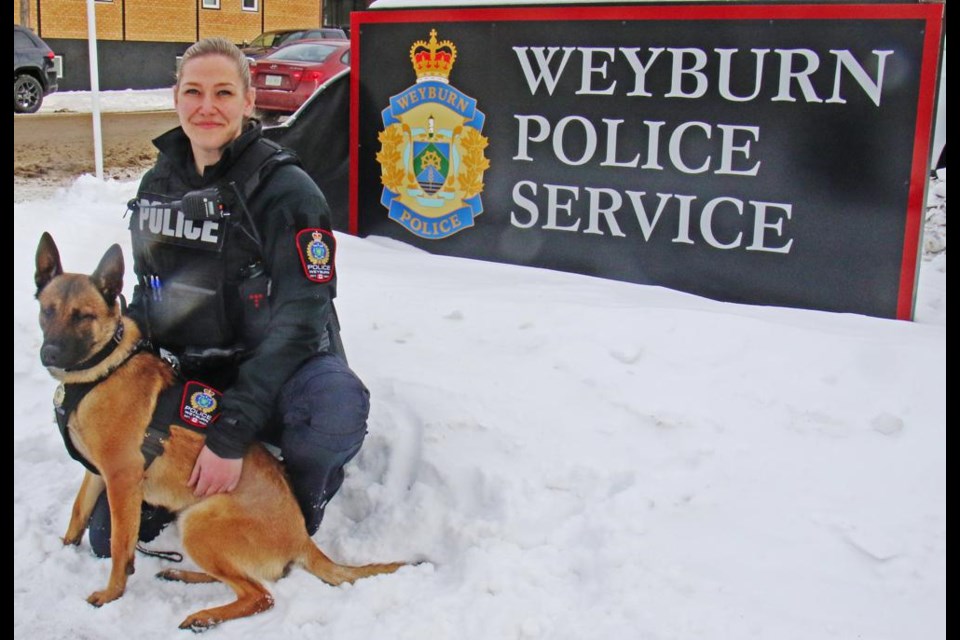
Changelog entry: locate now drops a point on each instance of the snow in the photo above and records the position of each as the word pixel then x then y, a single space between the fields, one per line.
pixel 126 100
pixel 574 458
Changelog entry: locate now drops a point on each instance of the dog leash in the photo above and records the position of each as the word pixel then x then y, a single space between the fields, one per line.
pixel 172 556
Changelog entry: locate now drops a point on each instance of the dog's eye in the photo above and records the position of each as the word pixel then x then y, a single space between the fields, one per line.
pixel 47 312
pixel 78 316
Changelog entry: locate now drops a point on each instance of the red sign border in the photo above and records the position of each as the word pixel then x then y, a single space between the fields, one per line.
pixel 932 14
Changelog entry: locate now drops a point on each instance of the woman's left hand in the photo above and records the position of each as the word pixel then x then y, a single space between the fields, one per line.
pixel 213 474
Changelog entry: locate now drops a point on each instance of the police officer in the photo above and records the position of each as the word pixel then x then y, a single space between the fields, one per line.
pixel 236 276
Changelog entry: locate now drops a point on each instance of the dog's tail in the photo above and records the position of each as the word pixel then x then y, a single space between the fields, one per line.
pixel 317 563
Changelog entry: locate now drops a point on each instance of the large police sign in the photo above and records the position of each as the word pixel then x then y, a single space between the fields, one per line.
pixel 759 154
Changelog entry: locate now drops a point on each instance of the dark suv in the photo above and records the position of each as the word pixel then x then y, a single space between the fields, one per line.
pixel 268 41
pixel 34 75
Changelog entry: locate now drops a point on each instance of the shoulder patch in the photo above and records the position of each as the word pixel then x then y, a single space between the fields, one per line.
pixel 317 248
pixel 200 405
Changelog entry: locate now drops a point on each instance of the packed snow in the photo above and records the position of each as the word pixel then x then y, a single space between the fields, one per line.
pixel 566 457
pixel 127 100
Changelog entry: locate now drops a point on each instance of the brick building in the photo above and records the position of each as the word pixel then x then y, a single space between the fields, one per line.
pixel 169 20
pixel 152 33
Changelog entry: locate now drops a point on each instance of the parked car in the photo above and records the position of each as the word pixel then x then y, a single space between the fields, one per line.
pixel 34 74
pixel 291 74
pixel 269 41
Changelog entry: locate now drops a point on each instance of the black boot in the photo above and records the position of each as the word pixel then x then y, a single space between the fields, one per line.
pixel 152 521
pixel 313 492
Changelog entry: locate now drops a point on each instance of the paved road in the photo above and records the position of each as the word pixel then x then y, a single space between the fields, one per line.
pixel 62 143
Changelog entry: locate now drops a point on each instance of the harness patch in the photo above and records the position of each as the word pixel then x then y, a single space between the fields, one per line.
pixel 317 248
pixel 200 405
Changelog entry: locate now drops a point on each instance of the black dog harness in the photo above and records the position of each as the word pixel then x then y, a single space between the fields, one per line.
pixel 189 404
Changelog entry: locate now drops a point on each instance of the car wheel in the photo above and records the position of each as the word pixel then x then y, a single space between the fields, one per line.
pixel 27 94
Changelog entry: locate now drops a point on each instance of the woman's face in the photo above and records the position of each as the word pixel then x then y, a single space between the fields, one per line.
pixel 212 103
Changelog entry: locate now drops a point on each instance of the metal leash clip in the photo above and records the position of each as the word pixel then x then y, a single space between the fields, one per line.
pixel 171 359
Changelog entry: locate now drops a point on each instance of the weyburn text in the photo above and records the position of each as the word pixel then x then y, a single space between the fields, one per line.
pixel 682 72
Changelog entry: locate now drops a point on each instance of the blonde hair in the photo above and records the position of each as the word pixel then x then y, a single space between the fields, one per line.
pixel 217 46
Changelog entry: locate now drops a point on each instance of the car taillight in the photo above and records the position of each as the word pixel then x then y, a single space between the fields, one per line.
pixel 51 55
pixel 308 76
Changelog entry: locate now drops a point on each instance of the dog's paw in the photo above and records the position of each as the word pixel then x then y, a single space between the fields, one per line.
pixel 68 541
pixel 190 577
pixel 198 623
pixel 100 598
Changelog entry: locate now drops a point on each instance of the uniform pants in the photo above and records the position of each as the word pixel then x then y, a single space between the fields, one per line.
pixel 322 416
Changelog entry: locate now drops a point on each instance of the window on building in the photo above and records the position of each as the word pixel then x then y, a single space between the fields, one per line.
pixel 210 4
pixel 249 5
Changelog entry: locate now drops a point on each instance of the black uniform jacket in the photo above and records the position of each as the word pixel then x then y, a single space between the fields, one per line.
pixel 287 208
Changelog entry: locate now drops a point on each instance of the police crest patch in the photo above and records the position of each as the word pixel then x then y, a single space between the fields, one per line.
pixel 200 405
pixel 317 248
pixel 432 153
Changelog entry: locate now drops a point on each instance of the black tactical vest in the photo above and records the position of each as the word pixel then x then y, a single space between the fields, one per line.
pixel 195 273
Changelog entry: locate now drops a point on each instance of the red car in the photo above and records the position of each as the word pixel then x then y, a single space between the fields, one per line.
pixel 291 74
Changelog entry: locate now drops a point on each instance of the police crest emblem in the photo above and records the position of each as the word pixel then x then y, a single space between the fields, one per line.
pixel 317 248
pixel 200 404
pixel 432 152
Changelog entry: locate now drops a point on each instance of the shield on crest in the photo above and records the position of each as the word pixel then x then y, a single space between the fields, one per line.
pixel 431 164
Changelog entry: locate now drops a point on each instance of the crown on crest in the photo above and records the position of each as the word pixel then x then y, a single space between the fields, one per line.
pixel 433 60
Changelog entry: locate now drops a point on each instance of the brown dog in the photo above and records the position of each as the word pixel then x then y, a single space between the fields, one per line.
pixel 242 538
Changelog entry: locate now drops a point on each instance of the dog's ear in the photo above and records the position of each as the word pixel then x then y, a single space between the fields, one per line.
pixel 48 262
pixel 108 278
